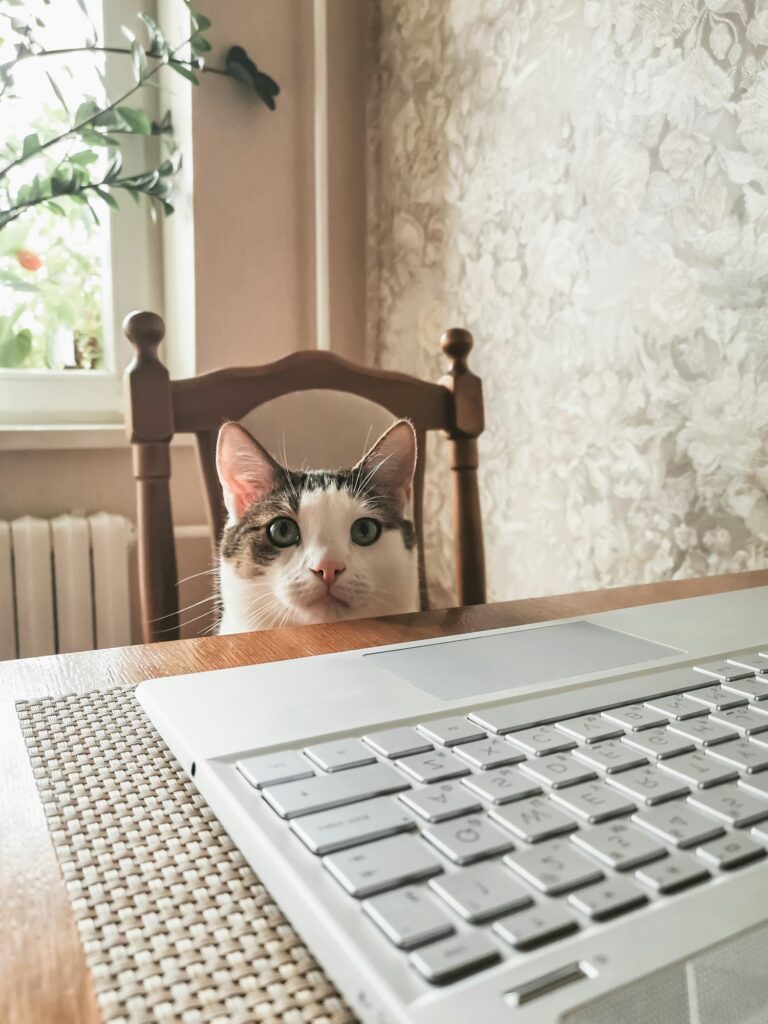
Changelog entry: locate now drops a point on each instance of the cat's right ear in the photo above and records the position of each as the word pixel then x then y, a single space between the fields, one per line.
pixel 247 472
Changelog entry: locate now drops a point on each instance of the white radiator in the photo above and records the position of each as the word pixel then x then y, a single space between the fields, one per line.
pixel 64 584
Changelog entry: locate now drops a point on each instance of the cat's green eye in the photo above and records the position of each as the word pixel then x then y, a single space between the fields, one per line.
pixel 283 532
pixel 365 531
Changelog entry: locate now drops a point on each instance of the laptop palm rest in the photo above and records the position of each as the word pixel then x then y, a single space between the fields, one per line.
pixel 458 668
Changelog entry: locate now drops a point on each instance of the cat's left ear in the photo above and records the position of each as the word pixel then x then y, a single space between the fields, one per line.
pixel 247 472
pixel 390 464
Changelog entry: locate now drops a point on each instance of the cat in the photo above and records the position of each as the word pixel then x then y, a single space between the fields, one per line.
pixel 316 545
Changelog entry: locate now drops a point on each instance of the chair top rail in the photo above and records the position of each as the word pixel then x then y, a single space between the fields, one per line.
pixel 204 402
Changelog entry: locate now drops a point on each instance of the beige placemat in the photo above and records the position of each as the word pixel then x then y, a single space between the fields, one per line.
pixel 174 924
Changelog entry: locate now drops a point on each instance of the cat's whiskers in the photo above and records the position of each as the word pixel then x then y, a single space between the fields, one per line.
pixel 188 622
pixel 205 572
pixel 186 608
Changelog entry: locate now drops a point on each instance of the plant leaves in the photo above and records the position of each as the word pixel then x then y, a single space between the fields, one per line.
pixel 85 156
pixel 110 200
pixel 115 166
pixel 86 110
pixel 240 66
pixel 200 44
pixel 164 126
pixel 136 120
pixel 31 145
pixel 94 138
pixel 157 44
pixel 184 71
pixel 57 90
pixel 139 59
pixel 15 351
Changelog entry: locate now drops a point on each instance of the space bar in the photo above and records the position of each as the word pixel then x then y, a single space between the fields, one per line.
pixel 292 799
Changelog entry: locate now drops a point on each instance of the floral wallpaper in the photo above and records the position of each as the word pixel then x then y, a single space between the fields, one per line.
pixel 585 186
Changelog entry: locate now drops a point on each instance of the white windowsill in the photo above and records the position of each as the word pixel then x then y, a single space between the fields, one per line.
pixel 46 437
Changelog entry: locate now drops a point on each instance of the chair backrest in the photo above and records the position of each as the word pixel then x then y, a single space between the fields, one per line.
pixel 157 408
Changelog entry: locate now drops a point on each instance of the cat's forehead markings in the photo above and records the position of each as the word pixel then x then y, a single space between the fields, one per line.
pixel 328 501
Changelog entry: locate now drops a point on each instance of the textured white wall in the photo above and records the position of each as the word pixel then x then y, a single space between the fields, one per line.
pixel 584 186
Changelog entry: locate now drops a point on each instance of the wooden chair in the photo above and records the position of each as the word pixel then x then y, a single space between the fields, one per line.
pixel 157 408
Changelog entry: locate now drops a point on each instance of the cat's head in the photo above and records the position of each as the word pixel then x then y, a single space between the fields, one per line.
pixel 315 546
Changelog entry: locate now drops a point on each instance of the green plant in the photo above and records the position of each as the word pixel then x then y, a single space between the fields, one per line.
pixel 75 155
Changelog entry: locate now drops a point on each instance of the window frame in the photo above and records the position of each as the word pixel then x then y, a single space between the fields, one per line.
pixel 133 280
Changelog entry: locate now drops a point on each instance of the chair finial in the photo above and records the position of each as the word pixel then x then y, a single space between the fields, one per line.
pixel 457 344
pixel 145 331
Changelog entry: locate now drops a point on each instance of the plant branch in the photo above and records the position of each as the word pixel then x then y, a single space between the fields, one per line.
pixel 110 49
pixel 89 120
pixel 6 216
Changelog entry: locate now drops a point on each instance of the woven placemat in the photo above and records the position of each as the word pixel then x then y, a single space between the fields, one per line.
pixel 174 924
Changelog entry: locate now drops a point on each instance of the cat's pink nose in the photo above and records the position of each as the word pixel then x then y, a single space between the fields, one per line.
pixel 329 571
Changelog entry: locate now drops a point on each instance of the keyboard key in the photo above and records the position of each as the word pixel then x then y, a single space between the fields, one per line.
pixel 678 824
pixel 589 728
pixel 611 756
pixel 742 754
pixel 352 824
pixel 635 717
pixel 272 769
pixel 554 867
pixel 676 706
pixel 659 743
pixel 619 845
pixel 451 730
pixel 760 832
pixel 323 792
pixel 452 958
pixel 756 784
pixel 704 731
pixel 373 868
pixel 502 785
pixel 557 770
pixel 731 851
pixel 482 892
pixel 398 742
pixel 754 689
pixel 535 927
pixel 409 917
pixel 751 661
pixel 725 671
pixel 433 767
pixel 491 752
pixel 534 819
pixel 464 840
pixel 699 769
pixel 648 785
pixel 732 804
pixel 746 720
pixel 441 801
pixel 337 755
pixel 716 697
pixel 594 801
pixel 609 898
pixel 672 873
pixel 542 739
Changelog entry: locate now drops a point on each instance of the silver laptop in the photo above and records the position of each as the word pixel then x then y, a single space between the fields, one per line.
pixel 565 822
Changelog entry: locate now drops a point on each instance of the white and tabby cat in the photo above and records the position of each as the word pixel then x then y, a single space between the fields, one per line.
pixel 315 546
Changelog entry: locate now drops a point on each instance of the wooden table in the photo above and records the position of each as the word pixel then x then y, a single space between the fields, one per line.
pixel 43 977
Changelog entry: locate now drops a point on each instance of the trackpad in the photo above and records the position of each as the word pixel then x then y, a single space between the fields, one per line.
pixel 457 668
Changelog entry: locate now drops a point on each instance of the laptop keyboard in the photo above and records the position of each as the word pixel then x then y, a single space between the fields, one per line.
pixel 465 836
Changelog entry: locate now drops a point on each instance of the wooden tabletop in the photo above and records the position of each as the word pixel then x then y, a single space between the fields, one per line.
pixel 43 976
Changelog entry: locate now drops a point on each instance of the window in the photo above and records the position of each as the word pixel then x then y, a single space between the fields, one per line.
pixel 67 280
